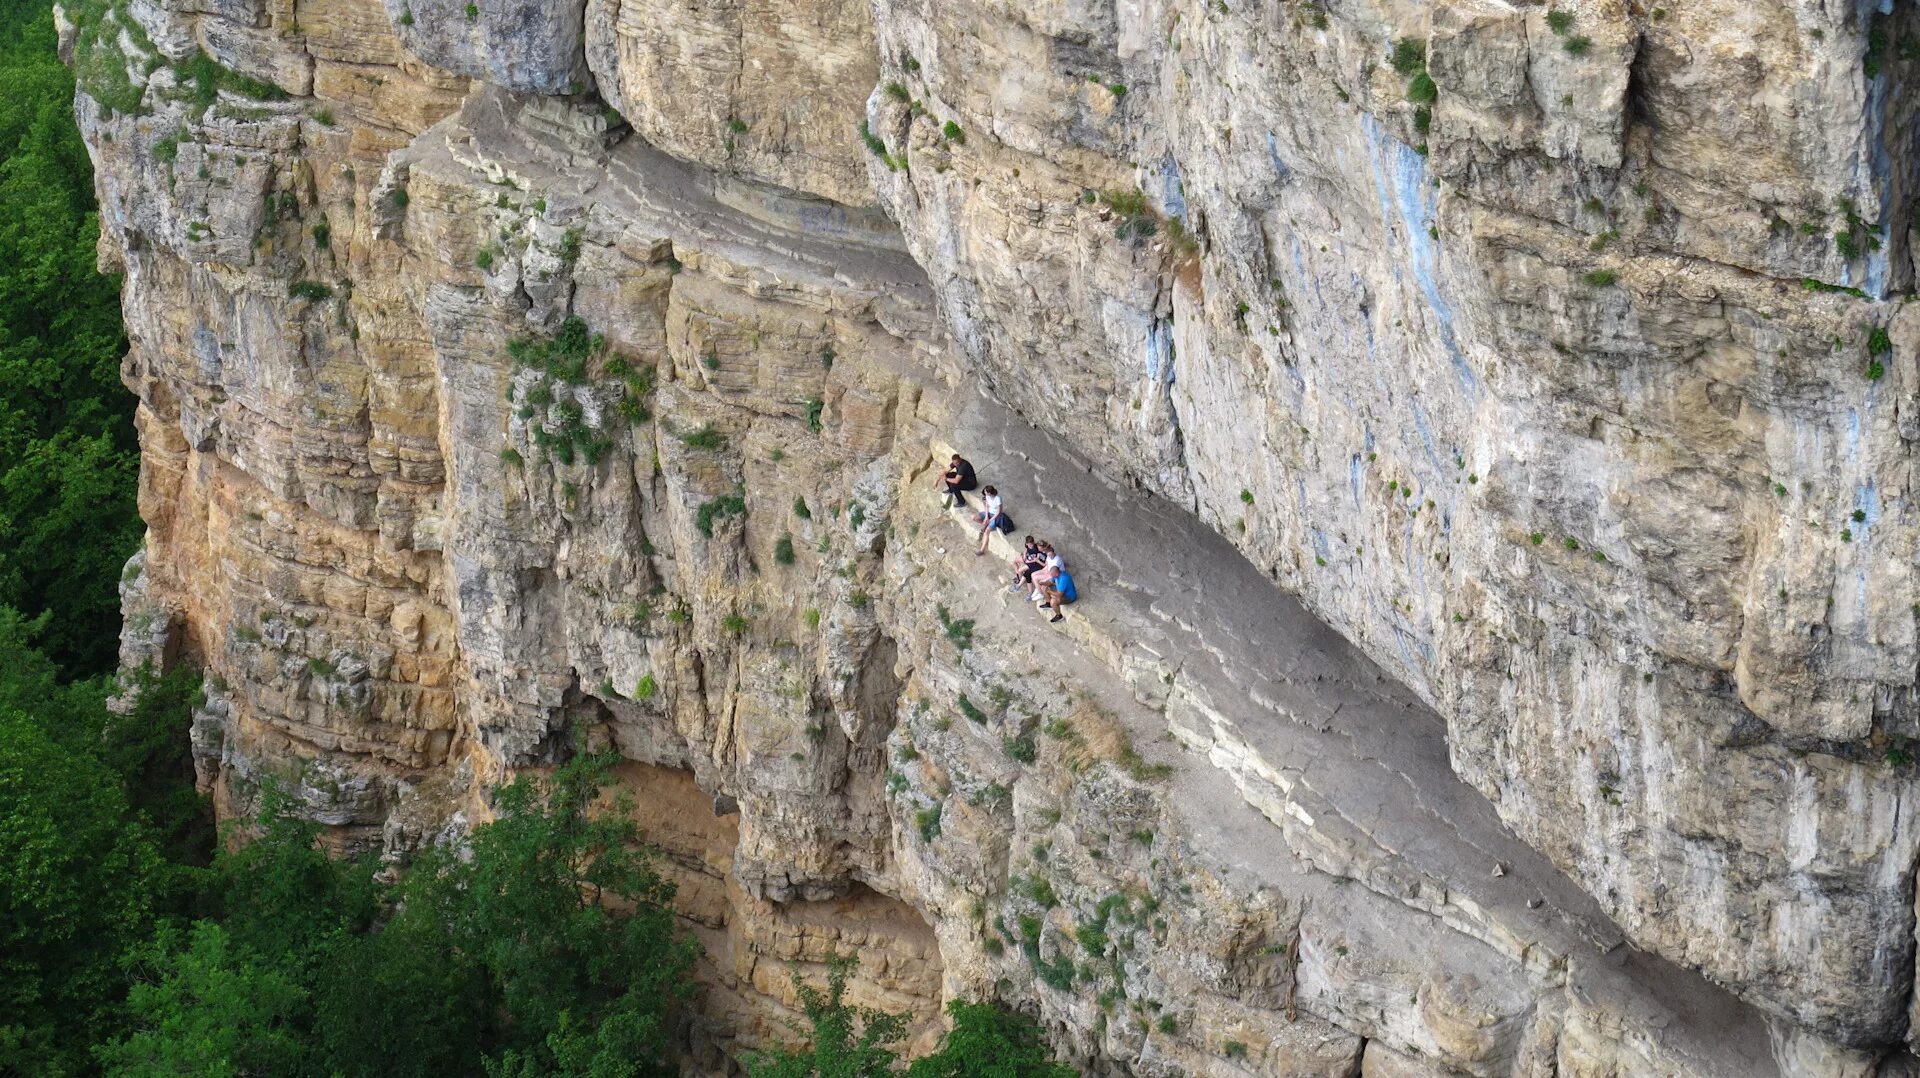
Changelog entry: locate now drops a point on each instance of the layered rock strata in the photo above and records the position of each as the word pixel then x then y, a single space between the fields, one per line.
pixel 521 376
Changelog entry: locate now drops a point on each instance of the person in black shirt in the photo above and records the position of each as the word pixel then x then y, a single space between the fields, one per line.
pixel 1029 561
pixel 958 477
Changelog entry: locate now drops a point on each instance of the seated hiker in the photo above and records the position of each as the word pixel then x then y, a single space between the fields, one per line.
pixel 1059 592
pixel 1025 564
pixel 1051 565
pixel 958 477
pixel 989 517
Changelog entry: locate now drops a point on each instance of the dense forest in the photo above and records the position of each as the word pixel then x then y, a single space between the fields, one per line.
pixel 133 939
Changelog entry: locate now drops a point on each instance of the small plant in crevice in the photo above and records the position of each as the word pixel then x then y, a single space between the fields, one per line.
pixel 1021 748
pixel 718 509
pixel 1598 278
pixel 1577 45
pixel 309 290
pixel 783 550
pixel 706 438
pixel 875 144
pixel 959 631
pixel 733 625
pixel 800 507
pixel 971 710
pixel 927 822
pixel 1858 238
pixel 952 133
pixel 1138 219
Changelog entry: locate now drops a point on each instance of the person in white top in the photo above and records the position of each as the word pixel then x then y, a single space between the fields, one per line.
pixel 1052 567
pixel 989 516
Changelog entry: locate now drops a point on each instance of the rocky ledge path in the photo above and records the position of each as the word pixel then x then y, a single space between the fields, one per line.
pixel 1318 768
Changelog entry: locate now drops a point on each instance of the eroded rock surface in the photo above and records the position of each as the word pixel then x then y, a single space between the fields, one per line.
pixel 520 374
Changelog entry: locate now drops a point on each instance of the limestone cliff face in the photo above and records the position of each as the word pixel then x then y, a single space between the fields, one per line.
pixel 514 374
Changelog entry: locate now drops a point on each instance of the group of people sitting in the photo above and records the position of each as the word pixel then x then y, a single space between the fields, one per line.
pixel 1038 569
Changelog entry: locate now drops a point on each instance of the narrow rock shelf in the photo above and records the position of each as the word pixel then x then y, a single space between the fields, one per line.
pixel 1334 775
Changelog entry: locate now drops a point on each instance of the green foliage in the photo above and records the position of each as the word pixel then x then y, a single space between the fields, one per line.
pixel 1020 748
pixel 1599 278
pixel 815 407
pixel 1137 217
pixel 727 505
pixel 958 630
pixel 211 1006
pixel 1559 21
pixel 563 356
pixel 704 438
pixel 646 688
pixel 875 144
pixel 783 550
pixel 91 805
pixel 927 822
pixel 1813 285
pixel 1409 57
pixel 898 92
pixel 1577 45
pixel 988 1042
pixel 1421 89
pixel 953 132
pixel 205 78
pixel 846 1041
pixel 312 291
pixel 972 710
pixel 800 508
pixel 508 958
pixel 68 457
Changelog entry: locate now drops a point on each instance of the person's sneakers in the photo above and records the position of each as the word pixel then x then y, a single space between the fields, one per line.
pixel 1056 617
pixel 1013 589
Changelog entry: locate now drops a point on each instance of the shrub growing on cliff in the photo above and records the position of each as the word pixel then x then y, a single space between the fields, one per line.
pixel 705 438
pixel 564 355
pixel 1409 57
pixel 727 505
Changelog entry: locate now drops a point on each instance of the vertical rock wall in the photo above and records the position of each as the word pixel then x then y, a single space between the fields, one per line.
pixel 515 376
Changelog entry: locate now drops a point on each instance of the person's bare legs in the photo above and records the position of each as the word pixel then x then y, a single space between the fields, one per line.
pixel 986 525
